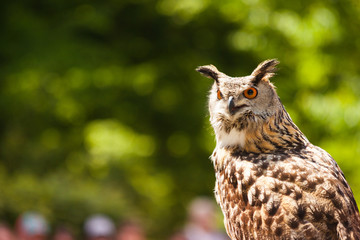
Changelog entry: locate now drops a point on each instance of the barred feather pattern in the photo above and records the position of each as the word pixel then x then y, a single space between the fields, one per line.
pixel 280 186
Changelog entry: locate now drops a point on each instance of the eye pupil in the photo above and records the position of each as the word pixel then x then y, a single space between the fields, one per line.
pixel 250 92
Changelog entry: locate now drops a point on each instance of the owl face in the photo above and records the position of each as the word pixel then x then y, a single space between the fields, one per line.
pixel 238 104
pixel 232 98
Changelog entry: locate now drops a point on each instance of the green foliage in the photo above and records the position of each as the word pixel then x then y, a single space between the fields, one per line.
pixel 102 111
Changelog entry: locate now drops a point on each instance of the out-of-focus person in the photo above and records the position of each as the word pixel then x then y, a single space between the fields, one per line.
pixel 202 221
pixel 63 233
pixel 99 227
pixel 6 233
pixel 130 230
pixel 32 226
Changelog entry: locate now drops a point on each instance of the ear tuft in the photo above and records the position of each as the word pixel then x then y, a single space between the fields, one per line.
pixel 209 71
pixel 265 69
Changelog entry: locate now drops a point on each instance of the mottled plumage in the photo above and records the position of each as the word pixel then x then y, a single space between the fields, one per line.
pixel 271 182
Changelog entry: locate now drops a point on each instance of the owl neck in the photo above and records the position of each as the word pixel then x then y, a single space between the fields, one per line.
pixel 262 135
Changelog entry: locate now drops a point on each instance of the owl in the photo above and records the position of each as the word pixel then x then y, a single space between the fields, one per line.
pixel 271 182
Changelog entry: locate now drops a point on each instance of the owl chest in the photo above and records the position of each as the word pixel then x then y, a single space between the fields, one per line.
pixel 256 183
pixel 250 193
pixel 239 202
pixel 271 197
pixel 235 182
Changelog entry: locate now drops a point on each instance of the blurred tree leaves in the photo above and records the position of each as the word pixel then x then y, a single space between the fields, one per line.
pixel 101 110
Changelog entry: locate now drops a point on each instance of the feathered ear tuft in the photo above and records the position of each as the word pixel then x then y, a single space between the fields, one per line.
pixel 209 71
pixel 265 69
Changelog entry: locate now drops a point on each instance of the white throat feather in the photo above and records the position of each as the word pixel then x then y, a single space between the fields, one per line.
pixel 232 138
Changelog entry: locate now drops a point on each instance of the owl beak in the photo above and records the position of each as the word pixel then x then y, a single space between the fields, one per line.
pixel 231 105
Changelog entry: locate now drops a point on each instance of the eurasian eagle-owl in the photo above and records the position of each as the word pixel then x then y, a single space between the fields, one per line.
pixel 271 182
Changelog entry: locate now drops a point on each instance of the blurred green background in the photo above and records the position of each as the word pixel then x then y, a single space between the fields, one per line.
pixel 102 111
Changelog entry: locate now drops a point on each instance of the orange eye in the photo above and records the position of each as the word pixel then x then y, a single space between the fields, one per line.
pixel 250 93
pixel 219 95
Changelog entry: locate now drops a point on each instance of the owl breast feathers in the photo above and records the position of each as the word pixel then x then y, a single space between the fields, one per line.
pixel 271 182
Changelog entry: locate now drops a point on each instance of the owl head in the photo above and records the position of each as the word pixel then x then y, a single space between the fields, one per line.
pixel 241 102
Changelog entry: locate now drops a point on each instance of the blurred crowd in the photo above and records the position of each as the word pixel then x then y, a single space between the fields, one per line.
pixel 201 225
